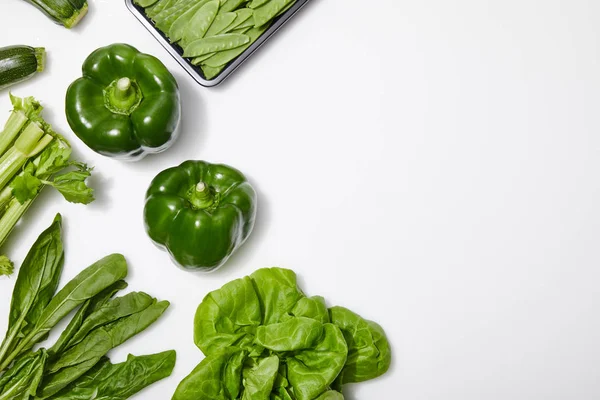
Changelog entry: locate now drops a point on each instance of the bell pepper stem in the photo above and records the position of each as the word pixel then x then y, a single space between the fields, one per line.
pixel 201 196
pixel 122 96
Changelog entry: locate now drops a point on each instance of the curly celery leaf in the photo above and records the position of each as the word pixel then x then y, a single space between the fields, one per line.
pixel 79 359
pixel 217 377
pixel 313 370
pixel 72 185
pixel 119 381
pixel 259 378
pixel 87 308
pixel 6 266
pixel 230 316
pixel 53 159
pixel 25 187
pixel 36 283
pixel 369 354
pixel 23 378
pixel 297 333
pixel 87 284
pixel 312 307
pixel 27 105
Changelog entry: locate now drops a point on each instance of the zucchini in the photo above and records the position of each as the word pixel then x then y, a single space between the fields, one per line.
pixel 18 63
pixel 64 12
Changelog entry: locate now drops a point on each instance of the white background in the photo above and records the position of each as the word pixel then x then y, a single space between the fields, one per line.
pixel 432 165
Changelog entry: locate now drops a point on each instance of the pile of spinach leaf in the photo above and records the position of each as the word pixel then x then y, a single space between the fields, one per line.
pixel 265 340
pixel 76 367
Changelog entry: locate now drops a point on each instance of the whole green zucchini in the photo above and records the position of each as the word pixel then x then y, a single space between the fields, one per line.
pixel 18 63
pixel 64 12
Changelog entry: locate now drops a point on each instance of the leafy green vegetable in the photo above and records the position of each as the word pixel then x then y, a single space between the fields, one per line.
pixel 6 266
pixel 259 378
pixel 293 346
pixel 36 283
pixel 86 285
pixel 228 317
pixel 31 153
pixel 111 311
pixel 217 377
pixel 87 308
pixel 22 380
pixel 312 307
pixel 119 381
pixel 311 371
pixel 331 395
pixel 76 367
pixel 77 360
pixel 297 333
pixel 278 292
pixel 369 354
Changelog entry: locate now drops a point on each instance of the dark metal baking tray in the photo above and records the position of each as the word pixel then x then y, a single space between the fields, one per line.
pixel 195 71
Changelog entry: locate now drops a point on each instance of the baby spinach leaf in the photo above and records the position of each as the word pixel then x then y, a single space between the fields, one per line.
pixel 369 354
pixel 312 371
pixel 228 317
pixel 312 307
pixel 296 333
pixel 77 360
pixel 259 378
pixel 36 283
pixel 217 377
pixel 119 381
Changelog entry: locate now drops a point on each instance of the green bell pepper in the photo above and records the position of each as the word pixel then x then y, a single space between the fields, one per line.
pixel 126 105
pixel 200 213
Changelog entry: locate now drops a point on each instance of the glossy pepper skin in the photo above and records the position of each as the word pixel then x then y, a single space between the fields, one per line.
pixel 125 105
pixel 200 213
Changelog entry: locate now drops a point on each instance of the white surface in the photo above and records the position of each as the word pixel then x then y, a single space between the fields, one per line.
pixel 432 165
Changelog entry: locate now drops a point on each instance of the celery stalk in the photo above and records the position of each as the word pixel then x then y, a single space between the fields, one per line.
pixel 32 140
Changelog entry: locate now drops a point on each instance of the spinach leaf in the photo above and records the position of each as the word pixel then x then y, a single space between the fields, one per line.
pixel 296 333
pixel 369 354
pixel 119 381
pixel 86 285
pixel 23 378
pixel 36 283
pixel 111 311
pixel 312 307
pixel 88 307
pixel 217 377
pixel 77 360
pixel 313 370
pixel 228 317
pixel 259 378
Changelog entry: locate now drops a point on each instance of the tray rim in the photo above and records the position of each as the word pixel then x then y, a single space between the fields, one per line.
pixel 194 71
